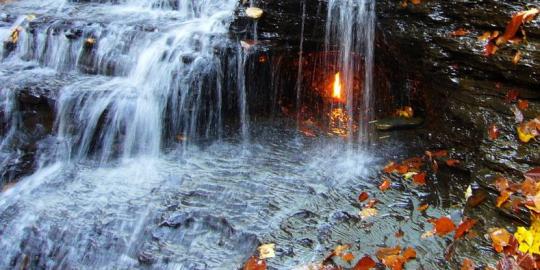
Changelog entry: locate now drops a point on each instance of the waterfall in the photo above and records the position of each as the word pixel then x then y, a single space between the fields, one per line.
pixel 350 34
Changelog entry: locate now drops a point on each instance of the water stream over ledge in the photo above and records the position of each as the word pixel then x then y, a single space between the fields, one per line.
pixel 139 167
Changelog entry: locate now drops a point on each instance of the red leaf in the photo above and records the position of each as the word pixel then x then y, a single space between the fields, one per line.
pixel 444 226
pixel 533 174
pixel 419 178
pixel 493 132
pixel 452 162
pixel 523 104
pixel 460 32
pixel 254 263
pixel 385 185
pixel 365 263
pixel 363 196
pixel 464 227
pixel 511 96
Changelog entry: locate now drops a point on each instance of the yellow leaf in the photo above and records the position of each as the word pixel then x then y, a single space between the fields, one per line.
pixel 267 251
pixel 525 239
pixel 409 175
pixel 524 136
pixel 254 12
pixel 368 212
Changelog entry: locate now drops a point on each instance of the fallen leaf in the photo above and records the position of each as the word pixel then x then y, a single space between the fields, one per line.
pixel 348 257
pixel 533 174
pixel 254 12
pixel 372 203
pixel 477 198
pixel 511 96
pixel 267 251
pixel 501 184
pixel 363 196
pixel 523 134
pixel 514 24
pixel 399 233
pixel 464 227
pixel 516 58
pixel 452 162
pixel 493 132
pixel 385 185
pixel 420 178
pixel 254 263
pixel 416 2
pixel 467 264
pixel 406 112
pixel 485 36
pixel 468 192
pixel 523 104
pixel 503 197
pixel 500 238
pixel 365 263
pixel 427 234
pixel 409 253
pixel 423 207
pixel 528 187
pixel 444 226
pixel 368 212
pixel 459 32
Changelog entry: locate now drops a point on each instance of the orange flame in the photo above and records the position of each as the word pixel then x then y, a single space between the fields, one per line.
pixel 336 93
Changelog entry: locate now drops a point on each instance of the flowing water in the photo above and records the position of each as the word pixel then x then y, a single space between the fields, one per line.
pixel 137 168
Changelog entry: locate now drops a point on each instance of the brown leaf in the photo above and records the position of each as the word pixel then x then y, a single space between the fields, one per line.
pixel 464 227
pixel 399 234
pixel 363 196
pixel 533 174
pixel 477 198
pixel 365 263
pixel 385 185
pixel 516 58
pixel 444 226
pixel 254 263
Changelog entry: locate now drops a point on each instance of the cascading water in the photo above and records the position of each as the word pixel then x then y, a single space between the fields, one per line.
pixel 130 79
pixel 350 31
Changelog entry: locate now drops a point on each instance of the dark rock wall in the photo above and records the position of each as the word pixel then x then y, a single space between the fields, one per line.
pixel 462 91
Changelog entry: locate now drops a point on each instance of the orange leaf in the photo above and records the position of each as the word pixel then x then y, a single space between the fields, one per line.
pixel 390 167
pixel 416 2
pixel 490 49
pixel 409 253
pixel 254 263
pixel 385 185
pixel 500 238
pixel 348 257
pixel 372 203
pixel 444 226
pixel 423 207
pixel 501 184
pixel 460 32
pixel 464 227
pixel 365 263
pixel 503 197
pixel 363 196
pixel 467 264
pixel 388 251
pixel 528 187
pixel 523 104
pixel 419 178
pixel 452 162
pixel 516 22
pixel 493 132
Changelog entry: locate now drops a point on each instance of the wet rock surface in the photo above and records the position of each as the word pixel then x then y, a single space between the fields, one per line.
pixel 461 91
